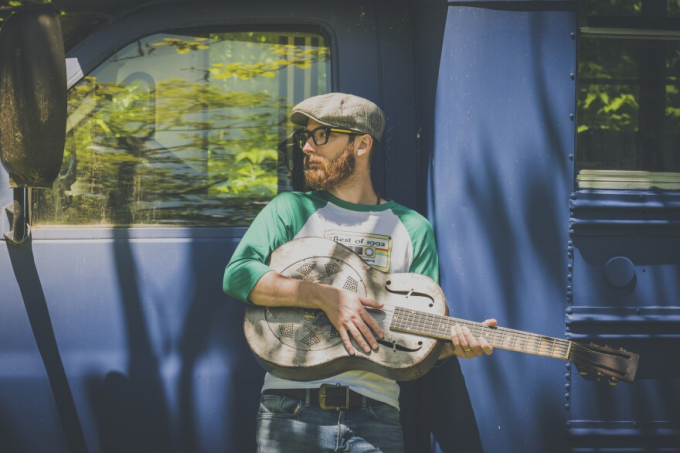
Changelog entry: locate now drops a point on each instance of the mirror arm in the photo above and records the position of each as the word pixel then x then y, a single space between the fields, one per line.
pixel 17 212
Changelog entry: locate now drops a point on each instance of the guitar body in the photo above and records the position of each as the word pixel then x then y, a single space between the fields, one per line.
pixel 302 344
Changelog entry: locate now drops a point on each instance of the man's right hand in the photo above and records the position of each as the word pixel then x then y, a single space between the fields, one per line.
pixel 346 311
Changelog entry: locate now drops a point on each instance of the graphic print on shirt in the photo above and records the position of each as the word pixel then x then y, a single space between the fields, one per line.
pixel 375 249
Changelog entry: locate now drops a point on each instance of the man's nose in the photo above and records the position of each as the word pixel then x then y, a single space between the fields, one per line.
pixel 309 146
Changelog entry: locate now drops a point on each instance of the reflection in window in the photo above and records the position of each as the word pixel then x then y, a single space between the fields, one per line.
pixel 628 93
pixel 183 129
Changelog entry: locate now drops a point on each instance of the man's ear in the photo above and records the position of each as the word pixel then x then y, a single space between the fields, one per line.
pixel 363 147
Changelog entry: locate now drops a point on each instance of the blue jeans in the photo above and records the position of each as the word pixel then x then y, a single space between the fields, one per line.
pixel 287 425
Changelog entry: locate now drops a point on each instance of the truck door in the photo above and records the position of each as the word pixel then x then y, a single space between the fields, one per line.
pixel 172 147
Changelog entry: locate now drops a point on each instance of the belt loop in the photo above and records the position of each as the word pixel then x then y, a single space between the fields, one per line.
pixel 363 403
pixel 307 397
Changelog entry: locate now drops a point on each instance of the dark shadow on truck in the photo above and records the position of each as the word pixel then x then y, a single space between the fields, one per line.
pixel 132 412
pixel 28 280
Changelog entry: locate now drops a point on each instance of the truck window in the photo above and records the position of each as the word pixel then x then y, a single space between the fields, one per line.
pixel 628 118
pixel 183 129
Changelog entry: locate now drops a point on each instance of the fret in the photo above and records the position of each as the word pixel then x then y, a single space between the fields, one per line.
pixel 503 339
pixel 485 333
pixel 493 340
pixel 552 351
pixel 538 343
pixel 444 329
pixel 438 326
pixel 430 329
pixel 535 343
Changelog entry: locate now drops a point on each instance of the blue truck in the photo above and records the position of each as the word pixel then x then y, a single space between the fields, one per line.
pixel 140 138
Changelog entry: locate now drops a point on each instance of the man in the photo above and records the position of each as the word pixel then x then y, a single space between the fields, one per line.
pixel 339 135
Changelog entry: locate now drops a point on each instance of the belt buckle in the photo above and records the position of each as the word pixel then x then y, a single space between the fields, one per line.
pixel 322 397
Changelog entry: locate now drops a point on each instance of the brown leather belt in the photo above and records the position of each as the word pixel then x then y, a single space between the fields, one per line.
pixel 328 397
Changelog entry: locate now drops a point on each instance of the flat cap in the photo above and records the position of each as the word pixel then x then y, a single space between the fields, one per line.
pixel 342 111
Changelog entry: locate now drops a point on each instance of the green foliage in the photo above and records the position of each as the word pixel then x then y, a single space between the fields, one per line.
pixel 620 100
pixel 7 7
pixel 184 150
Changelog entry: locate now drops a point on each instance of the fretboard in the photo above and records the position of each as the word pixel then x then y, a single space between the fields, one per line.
pixel 437 326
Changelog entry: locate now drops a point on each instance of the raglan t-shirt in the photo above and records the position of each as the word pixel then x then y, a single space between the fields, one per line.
pixel 389 237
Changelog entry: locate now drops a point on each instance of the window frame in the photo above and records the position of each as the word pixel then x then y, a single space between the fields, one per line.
pixel 608 179
pixel 100 47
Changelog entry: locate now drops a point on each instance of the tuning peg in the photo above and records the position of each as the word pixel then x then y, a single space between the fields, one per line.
pixel 613 381
pixel 599 376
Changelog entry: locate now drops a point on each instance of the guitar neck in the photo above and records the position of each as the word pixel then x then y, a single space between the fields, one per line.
pixel 437 326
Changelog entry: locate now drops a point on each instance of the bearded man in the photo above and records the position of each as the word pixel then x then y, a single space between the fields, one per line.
pixel 339 134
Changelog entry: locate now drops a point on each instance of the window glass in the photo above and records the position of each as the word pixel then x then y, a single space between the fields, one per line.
pixel 184 129
pixel 628 94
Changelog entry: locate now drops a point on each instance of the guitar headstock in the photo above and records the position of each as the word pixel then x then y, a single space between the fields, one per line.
pixel 617 364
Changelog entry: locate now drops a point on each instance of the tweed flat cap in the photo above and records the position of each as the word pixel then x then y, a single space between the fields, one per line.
pixel 342 111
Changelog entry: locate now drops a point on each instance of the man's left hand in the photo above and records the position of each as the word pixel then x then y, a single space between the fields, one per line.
pixel 465 345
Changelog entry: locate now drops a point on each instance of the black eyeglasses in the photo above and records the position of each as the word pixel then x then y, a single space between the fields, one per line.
pixel 320 135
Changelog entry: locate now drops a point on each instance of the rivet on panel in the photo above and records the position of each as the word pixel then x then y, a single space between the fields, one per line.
pixel 572 76
pixel 569 267
pixel 566 406
pixel 573 35
pixel 569 276
pixel 568 366
pixel 567 396
pixel 571 116
pixel 569 311
pixel 573 196
pixel 567 386
pixel 571 157
pixel 570 243
pixel 568 288
pixel 567 376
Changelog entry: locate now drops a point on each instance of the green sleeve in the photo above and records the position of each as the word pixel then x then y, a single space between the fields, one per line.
pixel 425 258
pixel 275 225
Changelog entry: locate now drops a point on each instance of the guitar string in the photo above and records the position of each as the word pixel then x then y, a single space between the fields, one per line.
pixel 559 346
pixel 530 341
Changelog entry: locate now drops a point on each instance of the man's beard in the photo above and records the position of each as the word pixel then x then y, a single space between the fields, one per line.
pixel 330 173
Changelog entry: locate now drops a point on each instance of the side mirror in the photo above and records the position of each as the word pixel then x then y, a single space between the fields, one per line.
pixel 32 97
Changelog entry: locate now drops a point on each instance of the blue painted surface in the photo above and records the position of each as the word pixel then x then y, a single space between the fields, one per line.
pixel 642 316
pixel 500 181
pixel 155 355
pixel 153 352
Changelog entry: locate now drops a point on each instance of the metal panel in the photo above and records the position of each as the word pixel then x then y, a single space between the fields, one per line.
pixel 626 292
pixel 501 176
pixel 133 346
pixel 144 335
